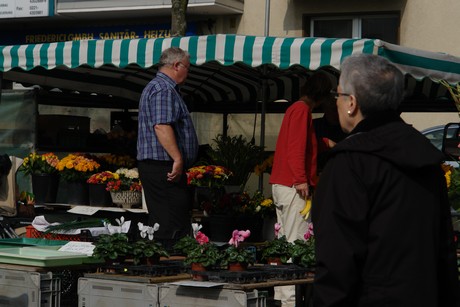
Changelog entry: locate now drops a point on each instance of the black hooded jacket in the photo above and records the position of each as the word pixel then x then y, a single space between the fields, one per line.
pixel 382 221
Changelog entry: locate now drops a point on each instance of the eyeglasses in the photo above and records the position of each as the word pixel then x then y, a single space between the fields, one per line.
pixel 337 94
pixel 185 66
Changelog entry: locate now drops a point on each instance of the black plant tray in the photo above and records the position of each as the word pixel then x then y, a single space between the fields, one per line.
pixel 254 274
pixel 251 275
pixel 287 272
pixel 165 268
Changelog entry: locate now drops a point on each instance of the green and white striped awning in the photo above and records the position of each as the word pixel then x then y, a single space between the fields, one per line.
pixel 226 68
pixel 311 53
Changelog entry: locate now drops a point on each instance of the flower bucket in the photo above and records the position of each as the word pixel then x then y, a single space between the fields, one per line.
pixel 77 193
pixel 44 187
pixel 126 199
pixel 99 196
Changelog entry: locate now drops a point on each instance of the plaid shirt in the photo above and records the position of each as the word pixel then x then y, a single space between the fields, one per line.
pixel 161 104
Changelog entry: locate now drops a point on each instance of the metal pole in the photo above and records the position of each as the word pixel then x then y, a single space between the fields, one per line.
pixel 267 17
pixel 264 92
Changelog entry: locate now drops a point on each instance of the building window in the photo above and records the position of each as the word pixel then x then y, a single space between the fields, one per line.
pixel 382 26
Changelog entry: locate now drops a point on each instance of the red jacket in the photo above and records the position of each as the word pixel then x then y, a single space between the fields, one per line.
pixel 296 148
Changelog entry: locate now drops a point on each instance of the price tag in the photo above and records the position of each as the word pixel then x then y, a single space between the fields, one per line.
pixel 78 247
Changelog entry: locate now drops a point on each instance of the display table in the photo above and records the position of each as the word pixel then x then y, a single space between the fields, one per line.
pixel 303 286
pixel 22 285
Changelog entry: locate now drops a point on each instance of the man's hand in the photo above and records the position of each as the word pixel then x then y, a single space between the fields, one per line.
pixel 302 189
pixel 165 134
pixel 176 172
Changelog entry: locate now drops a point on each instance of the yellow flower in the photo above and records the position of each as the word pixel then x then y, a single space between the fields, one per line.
pixel 77 167
pixel 447 173
pixel 266 202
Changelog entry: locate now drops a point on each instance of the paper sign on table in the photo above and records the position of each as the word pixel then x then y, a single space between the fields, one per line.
pixel 78 247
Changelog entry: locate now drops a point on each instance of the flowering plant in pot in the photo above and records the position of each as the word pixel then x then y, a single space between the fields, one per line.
pixel 236 154
pixel 45 175
pixel 113 247
pixel 40 164
pixel 77 167
pixel 146 249
pixel 303 251
pixel 124 179
pixel 125 187
pixel 279 248
pixel 257 204
pixel 211 176
pixel 235 253
pixel 199 252
pixel 198 249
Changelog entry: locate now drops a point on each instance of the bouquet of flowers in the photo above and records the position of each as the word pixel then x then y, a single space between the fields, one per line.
pixel 77 167
pixel 101 178
pixel 40 164
pixel 113 162
pixel 258 204
pixel 124 179
pixel 208 176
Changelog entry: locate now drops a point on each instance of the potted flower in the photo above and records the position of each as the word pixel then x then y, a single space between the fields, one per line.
pixel 146 250
pixel 210 176
pixel 44 173
pixel 237 155
pixel 199 252
pixel 277 251
pixel 303 251
pixel 35 164
pixel 235 256
pixel 98 194
pixel 258 204
pixel 112 248
pixel 125 187
pixel 75 169
pixel 208 182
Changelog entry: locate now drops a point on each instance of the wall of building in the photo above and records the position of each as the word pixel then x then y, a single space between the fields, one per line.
pixel 431 25
pixel 425 24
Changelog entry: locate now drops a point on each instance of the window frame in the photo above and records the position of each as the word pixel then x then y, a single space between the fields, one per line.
pixel 356 18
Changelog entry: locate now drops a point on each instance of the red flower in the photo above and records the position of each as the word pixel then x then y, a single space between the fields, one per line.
pixel 201 238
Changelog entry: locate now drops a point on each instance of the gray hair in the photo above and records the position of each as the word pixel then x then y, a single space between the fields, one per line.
pixel 172 55
pixel 376 83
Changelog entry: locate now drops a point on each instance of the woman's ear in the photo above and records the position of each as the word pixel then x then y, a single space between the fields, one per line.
pixel 352 105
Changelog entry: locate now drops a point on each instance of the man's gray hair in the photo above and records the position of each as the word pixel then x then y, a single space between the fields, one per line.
pixel 172 55
pixel 376 83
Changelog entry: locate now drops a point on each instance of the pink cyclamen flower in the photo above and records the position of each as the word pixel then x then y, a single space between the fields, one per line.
pixel 239 236
pixel 201 238
pixel 277 229
pixel 309 233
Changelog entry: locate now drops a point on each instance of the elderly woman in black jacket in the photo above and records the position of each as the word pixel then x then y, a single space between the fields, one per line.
pixel 381 215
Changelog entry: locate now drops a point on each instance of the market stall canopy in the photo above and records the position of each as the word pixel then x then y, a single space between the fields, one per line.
pixel 228 70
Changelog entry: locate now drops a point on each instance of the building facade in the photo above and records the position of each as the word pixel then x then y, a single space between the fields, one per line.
pixel 422 24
